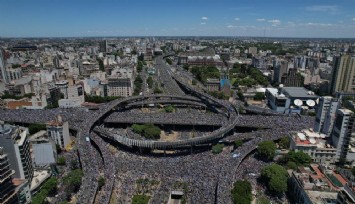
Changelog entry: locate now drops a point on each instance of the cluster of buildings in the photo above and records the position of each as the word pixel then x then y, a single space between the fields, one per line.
pixel 26 161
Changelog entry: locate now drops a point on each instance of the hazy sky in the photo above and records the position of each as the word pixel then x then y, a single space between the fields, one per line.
pixel 270 18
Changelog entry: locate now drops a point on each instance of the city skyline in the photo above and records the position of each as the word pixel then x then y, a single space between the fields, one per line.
pixel 323 19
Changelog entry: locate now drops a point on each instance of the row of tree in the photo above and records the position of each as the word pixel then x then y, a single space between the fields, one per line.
pixel 49 188
pixel 148 131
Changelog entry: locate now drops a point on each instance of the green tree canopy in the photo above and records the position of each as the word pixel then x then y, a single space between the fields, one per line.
pixel 284 142
pixel 61 161
pixel 101 182
pixel 148 131
pixel 259 96
pixel 275 177
pixel 218 148
pixel 267 150
pixel 241 192
pixel 238 143
pixel 33 128
pixel 300 158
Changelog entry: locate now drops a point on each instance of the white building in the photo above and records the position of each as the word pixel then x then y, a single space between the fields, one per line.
pixel 314 144
pixel 59 132
pixel 343 137
pixel 16 145
pixel 76 93
pixel 325 114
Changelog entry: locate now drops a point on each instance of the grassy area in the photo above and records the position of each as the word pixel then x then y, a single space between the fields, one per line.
pixel 140 199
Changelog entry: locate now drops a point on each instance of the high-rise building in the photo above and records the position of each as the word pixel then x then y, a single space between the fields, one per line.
pixel 3 75
pixel 76 92
pixel 8 192
pixel 103 46
pixel 59 132
pixel 343 137
pixel 119 86
pixel 325 114
pixel 15 143
pixel 292 78
pixel 343 76
pixel 280 68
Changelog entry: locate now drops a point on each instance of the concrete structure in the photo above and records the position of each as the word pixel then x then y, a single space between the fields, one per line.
pixel 68 103
pixel 309 185
pixel 343 74
pixel 63 86
pixel 23 190
pixel 118 86
pixel 16 145
pixel 3 75
pixel 59 132
pixel 43 154
pixel 343 136
pixel 76 93
pixel 280 68
pixel 314 144
pixel 103 46
pixel 325 114
pixel 213 84
pixel 277 101
pixel 7 189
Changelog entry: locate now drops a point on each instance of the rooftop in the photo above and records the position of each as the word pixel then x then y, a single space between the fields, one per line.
pixel 298 92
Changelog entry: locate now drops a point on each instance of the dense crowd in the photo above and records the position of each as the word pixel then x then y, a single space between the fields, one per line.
pixel 167 118
pixel 164 76
pixel 207 178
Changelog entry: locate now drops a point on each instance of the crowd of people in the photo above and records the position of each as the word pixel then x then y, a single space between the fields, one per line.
pixel 187 118
pixel 164 76
pixel 108 168
pixel 207 178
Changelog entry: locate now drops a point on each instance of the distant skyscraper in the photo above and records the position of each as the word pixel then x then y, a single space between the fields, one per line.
pixel 16 145
pixel 325 114
pixel 3 75
pixel 103 46
pixel 8 192
pixel 343 76
pixel 280 68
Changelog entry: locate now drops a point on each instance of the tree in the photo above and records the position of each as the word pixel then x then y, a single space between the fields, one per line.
pixel 139 66
pixel 284 142
pixel 275 177
pixel 241 192
pixel 101 182
pixel 259 96
pixel 300 158
pixel 186 67
pixel 240 95
pixel 101 65
pixel 169 109
pixel 292 165
pixel 267 150
pixel 33 128
pixel 218 148
pixel 238 143
pixel 72 181
pixel 61 161
pixel 150 82
pixel 74 164
pixel 168 60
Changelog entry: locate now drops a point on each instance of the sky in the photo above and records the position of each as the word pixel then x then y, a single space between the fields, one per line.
pixel 263 18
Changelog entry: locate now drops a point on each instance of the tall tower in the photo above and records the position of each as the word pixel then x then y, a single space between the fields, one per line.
pixel 103 46
pixel 3 75
pixel 343 76
pixel 15 143
pixel 325 114
pixel 8 192
pixel 342 135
